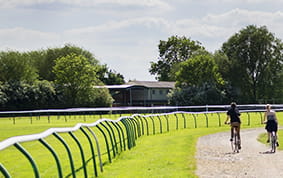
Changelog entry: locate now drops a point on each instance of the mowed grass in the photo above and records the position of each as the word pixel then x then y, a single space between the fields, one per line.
pixel 161 154
pixel 164 155
pixel 10 126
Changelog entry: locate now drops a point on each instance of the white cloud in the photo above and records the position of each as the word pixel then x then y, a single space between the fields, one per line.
pixel 219 27
pixel 159 4
pixel 233 1
pixel 147 22
pixel 125 34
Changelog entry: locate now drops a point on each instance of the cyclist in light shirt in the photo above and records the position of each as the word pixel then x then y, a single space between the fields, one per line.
pixel 271 122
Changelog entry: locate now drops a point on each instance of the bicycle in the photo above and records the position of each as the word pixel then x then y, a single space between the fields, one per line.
pixel 273 141
pixel 235 141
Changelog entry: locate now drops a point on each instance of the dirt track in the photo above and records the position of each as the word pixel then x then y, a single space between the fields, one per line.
pixel 215 158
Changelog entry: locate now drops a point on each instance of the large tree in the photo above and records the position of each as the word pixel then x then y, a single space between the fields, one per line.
pixel 198 81
pixel 254 64
pixel 45 59
pixel 197 71
pixel 76 77
pixel 171 52
pixel 16 66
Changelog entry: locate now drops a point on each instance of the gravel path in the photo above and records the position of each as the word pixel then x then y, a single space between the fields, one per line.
pixel 215 158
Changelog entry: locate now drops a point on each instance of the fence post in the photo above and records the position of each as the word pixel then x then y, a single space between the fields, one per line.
pixel 106 142
pixel 30 114
pixel 129 135
pixel 249 121
pixel 261 119
pixel 123 135
pixel 153 125
pixel 185 124
pixel 114 137
pixel 177 123
pixel 48 115
pixel 142 126
pixel 206 119
pixel 81 151
pixel 68 151
pixel 131 131
pixel 119 134
pixel 219 120
pixel 167 122
pixel 98 149
pixel 111 139
pixel 195 119
pixel 28 156
pixel 4 171
pixel 160 123
pixel 92 150
pixel 146 123
pixel 138 129
pixel 59 168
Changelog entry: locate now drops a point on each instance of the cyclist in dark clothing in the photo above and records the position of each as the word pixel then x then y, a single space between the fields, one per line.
pixel 233 115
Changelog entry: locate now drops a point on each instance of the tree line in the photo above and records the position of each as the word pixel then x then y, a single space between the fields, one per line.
pixel 54 78
pixel 248 68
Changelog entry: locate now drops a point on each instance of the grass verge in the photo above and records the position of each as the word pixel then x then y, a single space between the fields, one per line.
pixel 164 155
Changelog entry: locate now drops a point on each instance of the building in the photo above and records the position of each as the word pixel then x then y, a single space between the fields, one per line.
pixel 141 93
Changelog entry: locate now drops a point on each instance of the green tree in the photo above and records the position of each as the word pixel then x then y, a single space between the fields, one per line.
pixel 197 71
pixel 254 64
pixel 196 95
pixel 171 52
pixel 198 81
pixel 76 78
pixel 109 77
pixel 16 66
pixel 45 59
pixel 3 96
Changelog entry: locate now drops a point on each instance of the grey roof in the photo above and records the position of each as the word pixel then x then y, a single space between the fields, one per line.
pixel 152 84
pixel 147 84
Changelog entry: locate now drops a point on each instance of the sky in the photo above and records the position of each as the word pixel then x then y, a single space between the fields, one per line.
pixel 124 34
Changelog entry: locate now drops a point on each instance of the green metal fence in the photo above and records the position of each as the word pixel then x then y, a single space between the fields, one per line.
pixel 89 146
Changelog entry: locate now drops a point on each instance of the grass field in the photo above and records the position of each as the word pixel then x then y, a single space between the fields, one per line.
pixel 161 154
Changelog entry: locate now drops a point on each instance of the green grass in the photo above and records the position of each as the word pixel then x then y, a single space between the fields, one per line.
pixel 10 127
pixel 165 154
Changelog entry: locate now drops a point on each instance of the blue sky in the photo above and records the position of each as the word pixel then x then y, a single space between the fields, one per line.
pixel 124 34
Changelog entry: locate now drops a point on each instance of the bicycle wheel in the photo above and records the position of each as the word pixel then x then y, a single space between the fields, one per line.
pixel 233 144
pixel 236 143
pixel 273 142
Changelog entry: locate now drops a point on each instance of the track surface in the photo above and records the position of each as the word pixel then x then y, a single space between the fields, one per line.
pixel 216 159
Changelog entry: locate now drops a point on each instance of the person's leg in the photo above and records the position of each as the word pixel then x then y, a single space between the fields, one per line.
pixel 268 136
pixel 231 133
pixel 238 135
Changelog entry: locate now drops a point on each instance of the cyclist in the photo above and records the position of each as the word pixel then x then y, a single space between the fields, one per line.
pixel 271 122
pixel 233 115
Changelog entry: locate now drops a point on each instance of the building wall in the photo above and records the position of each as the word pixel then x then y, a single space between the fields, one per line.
pixel 158 94
pixel 140 96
